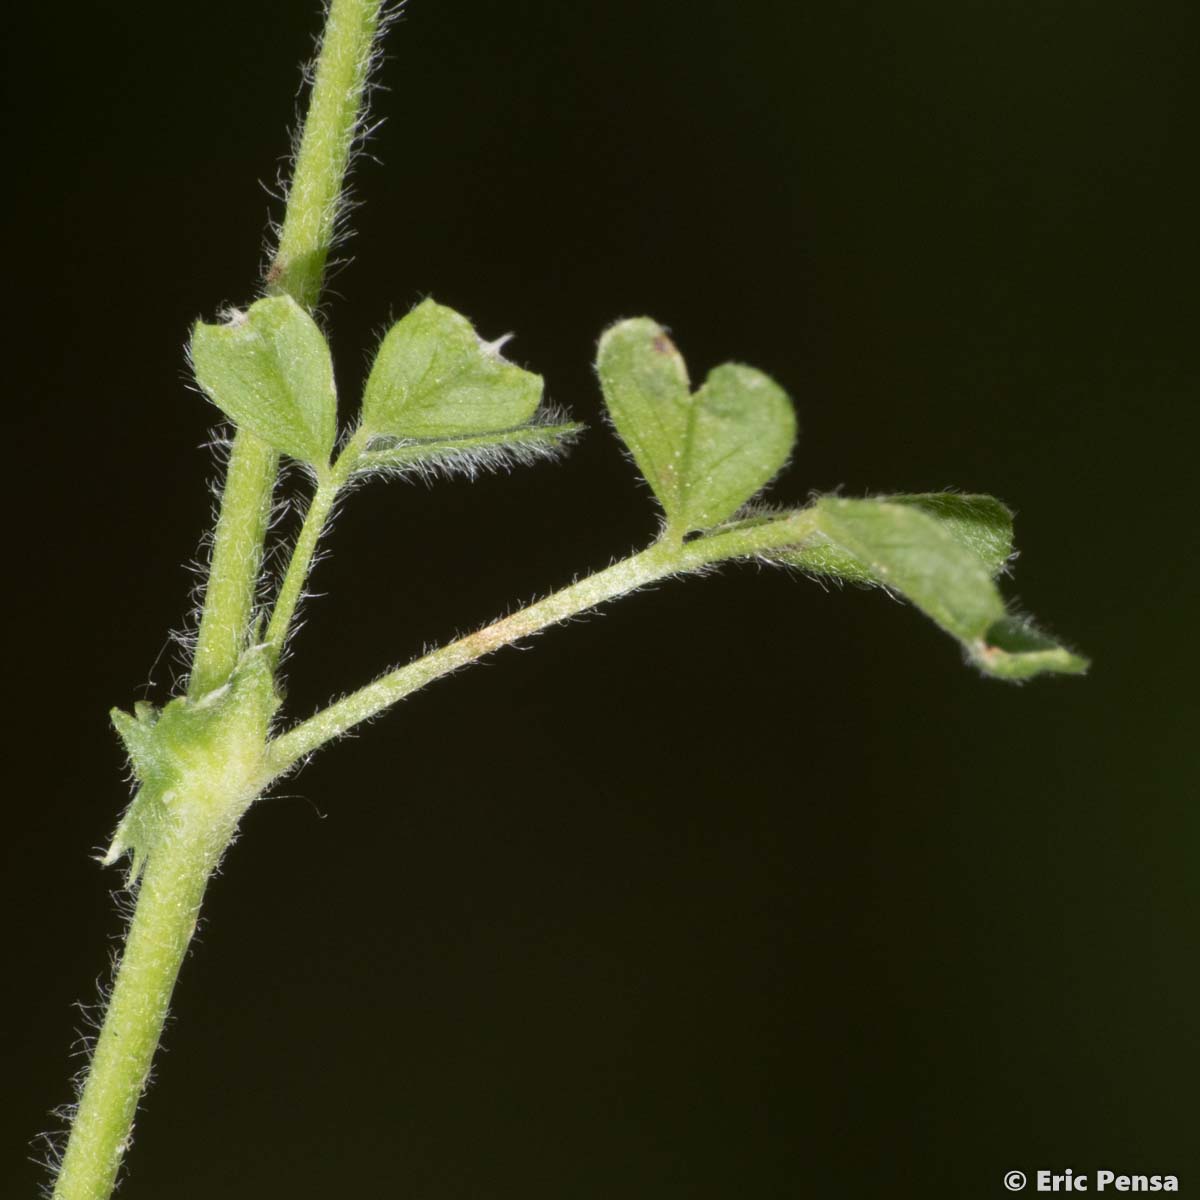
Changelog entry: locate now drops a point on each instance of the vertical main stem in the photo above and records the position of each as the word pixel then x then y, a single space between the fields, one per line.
pixel 334 115
pixel 168 903
pixel 178 869
pixel 236 561
pixel 308 232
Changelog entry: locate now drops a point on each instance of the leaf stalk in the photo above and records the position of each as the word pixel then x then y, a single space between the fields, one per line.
pixel 664 558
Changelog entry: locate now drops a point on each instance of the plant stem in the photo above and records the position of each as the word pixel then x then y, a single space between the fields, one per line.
pixel 309 226
pixel 316 196
pixel 662 559
pixel 236 562
pixel 178 869
pixel 290 591
pixel 622 577
pixel 300 563
pixel 167 907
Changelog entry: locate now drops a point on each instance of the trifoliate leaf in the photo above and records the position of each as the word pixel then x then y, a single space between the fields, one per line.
pixel 704 453
pixel 434 378
pixel 929 561
pixel 268 369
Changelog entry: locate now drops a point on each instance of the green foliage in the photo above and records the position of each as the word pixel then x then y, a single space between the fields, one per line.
pixel 703 453
pixel 1014 648
pixel 269 371
pixel 980 524
pixel 909 550
pixel 941 552
pixel 473 452
pixel 434 377
pixel 439 396
pixel 707 453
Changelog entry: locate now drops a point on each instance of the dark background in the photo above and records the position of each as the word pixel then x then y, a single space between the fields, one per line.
pixel 743 888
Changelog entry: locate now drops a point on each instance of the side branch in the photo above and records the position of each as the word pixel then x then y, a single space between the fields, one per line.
pixel 301 560
pixel 659 561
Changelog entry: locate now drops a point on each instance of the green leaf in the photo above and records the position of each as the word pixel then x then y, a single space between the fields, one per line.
pixel 910 551
pixel 645 384
pixel 929 560
pixel 979 523
pixel 481 452
pixel 434 378
pixel 704 453
pixel 1015 649
pixel 269 371
pixel 819 556
pixel 742 432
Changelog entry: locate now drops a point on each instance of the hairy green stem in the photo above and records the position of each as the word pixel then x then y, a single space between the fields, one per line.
pixel 334 119
pixel 296 575
pixel 168 904
pixel 309 227
pixel 664 558
pixel 176 874
pixel 329 484
pixel 332 722
pixel 235 564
